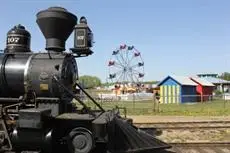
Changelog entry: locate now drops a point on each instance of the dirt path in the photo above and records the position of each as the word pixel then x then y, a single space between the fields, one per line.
pixel 152 119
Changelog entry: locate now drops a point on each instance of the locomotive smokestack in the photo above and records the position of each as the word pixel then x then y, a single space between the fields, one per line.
pixel 56 24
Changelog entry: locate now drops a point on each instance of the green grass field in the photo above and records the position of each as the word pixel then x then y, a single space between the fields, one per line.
pixel 213 108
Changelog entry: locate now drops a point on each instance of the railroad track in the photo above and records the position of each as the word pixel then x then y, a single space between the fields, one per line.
pixel 190 147
pixel 200 147
pixel 184 125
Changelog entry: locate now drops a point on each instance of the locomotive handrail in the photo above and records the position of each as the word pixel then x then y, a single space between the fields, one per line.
pixel 75 97
pixel 98 105
pixel 9 100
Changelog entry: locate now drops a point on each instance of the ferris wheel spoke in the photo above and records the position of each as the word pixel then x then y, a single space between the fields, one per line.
pixel 137 80
pixel 118 61
pixel 122 57
pixel 119 77
pixel 130 76
pixel 137 72
pixel 127 56
pixel 127 76
pixel 140 75
pixel 123 79
pixel 124 63
pixel 140 64
pixel 118 72
pixel 130 60
pixel 118 65
pixel 134 66
pixel 130 49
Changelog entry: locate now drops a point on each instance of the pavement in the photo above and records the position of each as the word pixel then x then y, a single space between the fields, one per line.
pixel 155 118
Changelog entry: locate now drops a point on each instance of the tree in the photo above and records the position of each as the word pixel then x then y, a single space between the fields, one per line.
pixel 225 76
pixel 88 81
pixel 151 82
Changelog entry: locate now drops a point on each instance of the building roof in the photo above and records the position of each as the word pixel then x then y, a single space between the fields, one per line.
pixel 202 81
pixel 182 80
pixel 208 75
pixel 216 80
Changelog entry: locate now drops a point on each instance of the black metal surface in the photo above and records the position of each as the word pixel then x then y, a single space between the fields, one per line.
pixel 123 137
pixel 31 140
pixel 14 73
pixel 56 24
pixel 54 104
pixel 22 73
pixel 42 70
pixel 80 140
pixel 33 118
pixel 3 86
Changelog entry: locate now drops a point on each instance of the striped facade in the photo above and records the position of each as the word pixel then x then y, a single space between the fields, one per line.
pixel 170 94
pixel 174 91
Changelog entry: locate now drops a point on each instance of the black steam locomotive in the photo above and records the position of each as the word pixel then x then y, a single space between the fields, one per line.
pixel 37 89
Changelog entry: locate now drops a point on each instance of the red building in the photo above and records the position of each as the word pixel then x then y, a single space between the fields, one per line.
pixel 204 88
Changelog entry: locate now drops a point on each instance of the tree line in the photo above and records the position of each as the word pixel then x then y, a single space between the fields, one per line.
pixel 225 76
pixel 88 81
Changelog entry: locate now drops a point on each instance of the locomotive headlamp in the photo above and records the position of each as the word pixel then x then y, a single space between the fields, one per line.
pixel 83 38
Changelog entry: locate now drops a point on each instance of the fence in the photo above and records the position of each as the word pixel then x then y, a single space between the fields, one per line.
pixel 161 99
pixel 204 105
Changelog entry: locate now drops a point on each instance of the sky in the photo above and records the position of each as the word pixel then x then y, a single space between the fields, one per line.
pixel 174 37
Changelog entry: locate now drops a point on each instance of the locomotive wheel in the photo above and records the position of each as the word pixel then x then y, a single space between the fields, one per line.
pixel 81 141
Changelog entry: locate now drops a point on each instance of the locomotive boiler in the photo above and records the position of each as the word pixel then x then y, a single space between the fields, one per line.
pixel 37 91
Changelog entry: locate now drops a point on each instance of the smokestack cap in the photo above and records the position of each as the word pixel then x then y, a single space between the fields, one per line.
pixel 56 24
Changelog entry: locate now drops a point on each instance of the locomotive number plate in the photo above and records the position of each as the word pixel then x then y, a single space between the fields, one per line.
pixel 44 86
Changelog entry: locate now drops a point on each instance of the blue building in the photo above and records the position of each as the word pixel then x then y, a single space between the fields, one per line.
pixel 177 89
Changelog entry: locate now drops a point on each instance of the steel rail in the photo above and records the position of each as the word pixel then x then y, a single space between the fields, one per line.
pixel 184 127
pixel 187 122
pixel 200 144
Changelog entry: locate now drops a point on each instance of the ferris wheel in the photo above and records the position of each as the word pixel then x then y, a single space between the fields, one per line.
pixel 126 66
